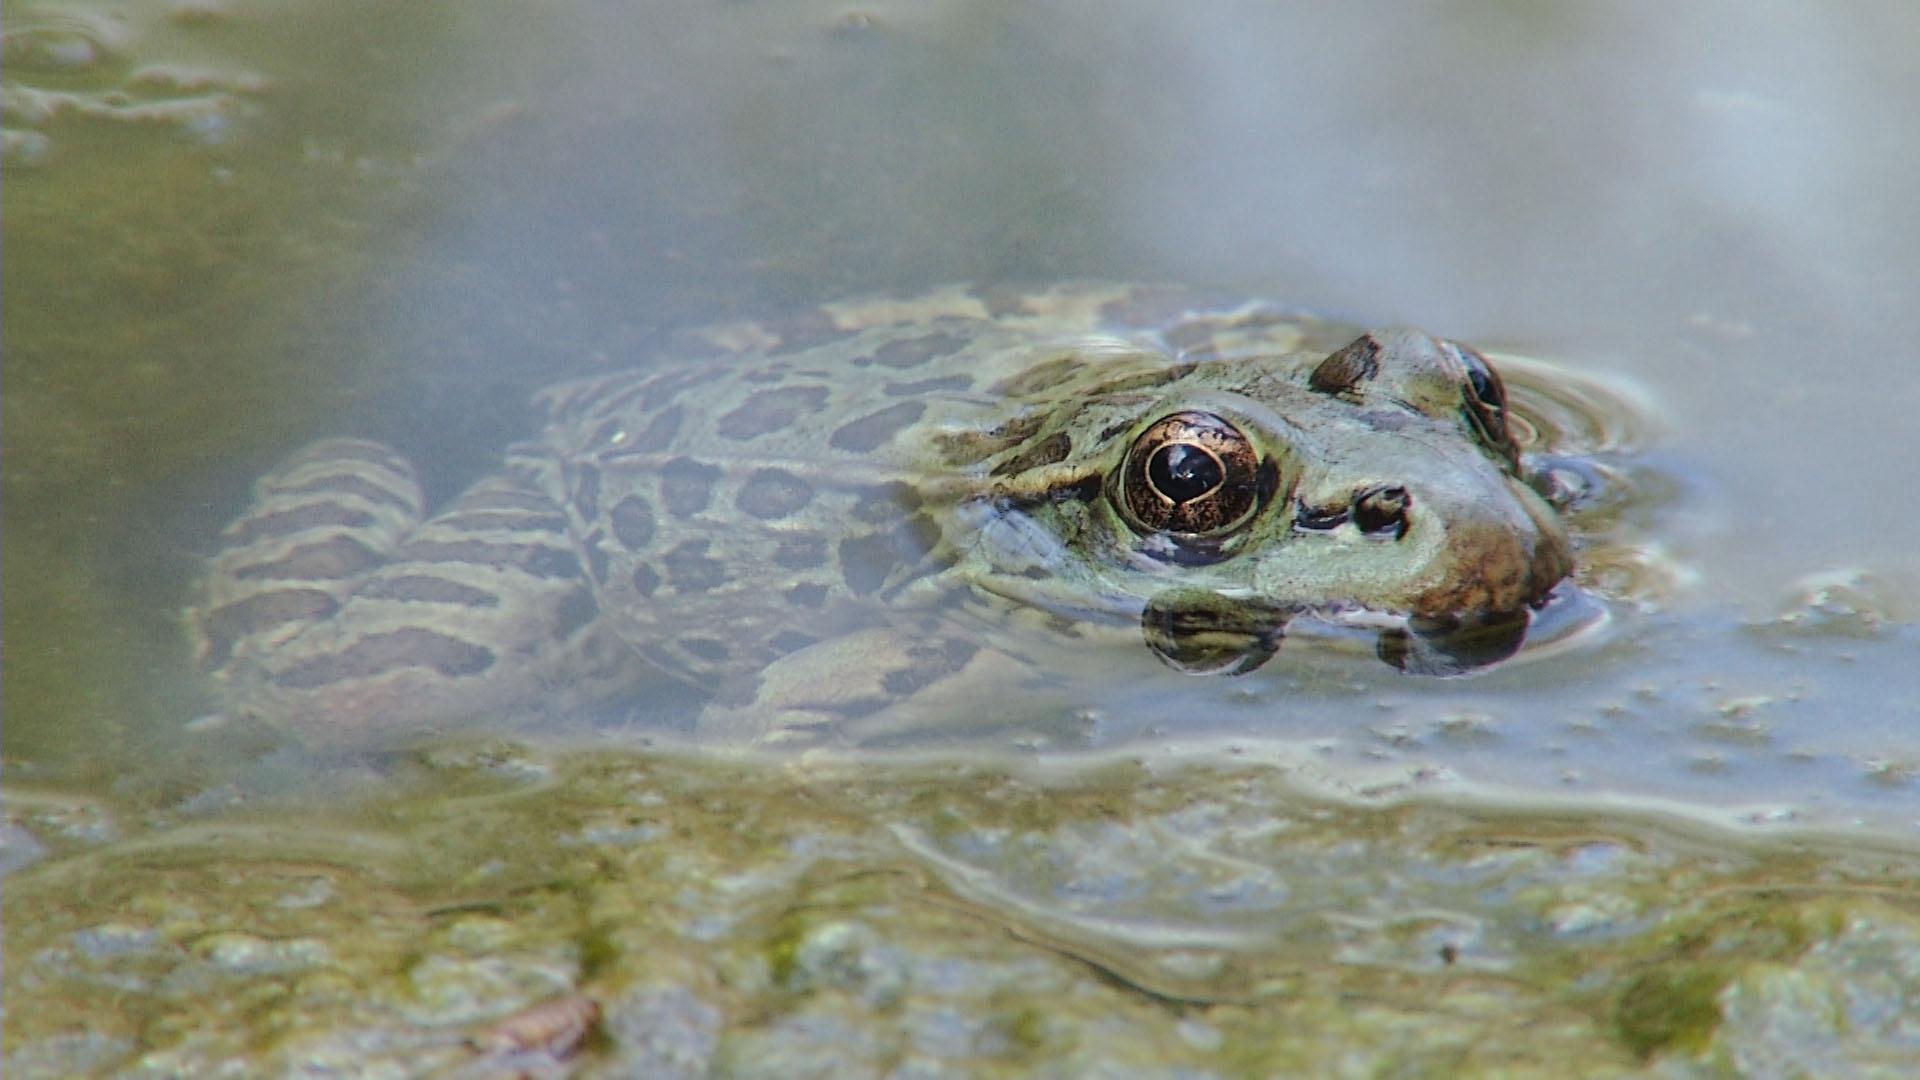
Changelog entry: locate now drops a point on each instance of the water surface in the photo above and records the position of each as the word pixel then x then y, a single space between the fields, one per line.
pixel 232 227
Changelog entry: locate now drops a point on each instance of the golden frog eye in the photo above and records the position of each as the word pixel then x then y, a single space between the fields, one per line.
pixel 1191 472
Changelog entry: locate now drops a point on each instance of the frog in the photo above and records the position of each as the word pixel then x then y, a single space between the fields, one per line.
pixel 826 516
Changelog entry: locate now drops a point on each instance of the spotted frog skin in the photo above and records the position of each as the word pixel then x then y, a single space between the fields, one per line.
pixel 822 517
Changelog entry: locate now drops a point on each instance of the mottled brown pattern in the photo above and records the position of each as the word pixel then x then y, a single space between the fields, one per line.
pixel 960 449
pixel 297 519
pixel 495 497
pixel 327 560
pixel 867 561
pixel 791 641
pixel 632 521
pixel 1063 626
pixel 970 447
pixel 224 626
pixel 928 664
pixel 800 552
pixel 807 595
pixel 660 390
pixel 645 579
pixel 610 432
pixel 575 613
pixel 768 411
pixel 882 503
pixel 1145 380
pixel 537 560
pixel 660 658
pixel 593 546
pixel 731 510
pixel 380 654
pixel 771 494
pixel 516 520
pixel 686 485
pixel 690 569
pixel 336 451
pixel 659 431
pixel 427 589
pixel 808 330
pixel 1021 427
pixel 712 650
pixel 355 485
pixel 1041 377
pixel 1048 451
pixel 914 352
pixel 619 397
pixel 584 491
pixel 919 534
pixel 870 432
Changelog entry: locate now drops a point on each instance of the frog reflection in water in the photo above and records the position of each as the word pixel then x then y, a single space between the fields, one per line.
pixel 822 518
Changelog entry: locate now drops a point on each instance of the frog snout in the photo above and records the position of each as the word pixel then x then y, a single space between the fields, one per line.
pixel 1495 557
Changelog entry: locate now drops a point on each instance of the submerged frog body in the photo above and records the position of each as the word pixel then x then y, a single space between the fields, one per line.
pixel 822 517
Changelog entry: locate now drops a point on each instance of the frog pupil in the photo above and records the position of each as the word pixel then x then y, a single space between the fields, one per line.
pixel 1183 472
pixel 1482 383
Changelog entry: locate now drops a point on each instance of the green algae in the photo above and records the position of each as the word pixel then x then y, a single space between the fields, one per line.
pixel 775 915
pixel 1666 1010
pixel 1674 1005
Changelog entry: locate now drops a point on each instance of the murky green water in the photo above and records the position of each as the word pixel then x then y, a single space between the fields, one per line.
pixel 1688 843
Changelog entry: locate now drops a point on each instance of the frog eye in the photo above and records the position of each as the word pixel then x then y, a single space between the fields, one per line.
pixel 1191 472
pixel 1487 395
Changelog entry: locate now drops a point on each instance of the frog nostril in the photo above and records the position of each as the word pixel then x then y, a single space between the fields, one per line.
pixel 1320 518
pixel 1382 509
